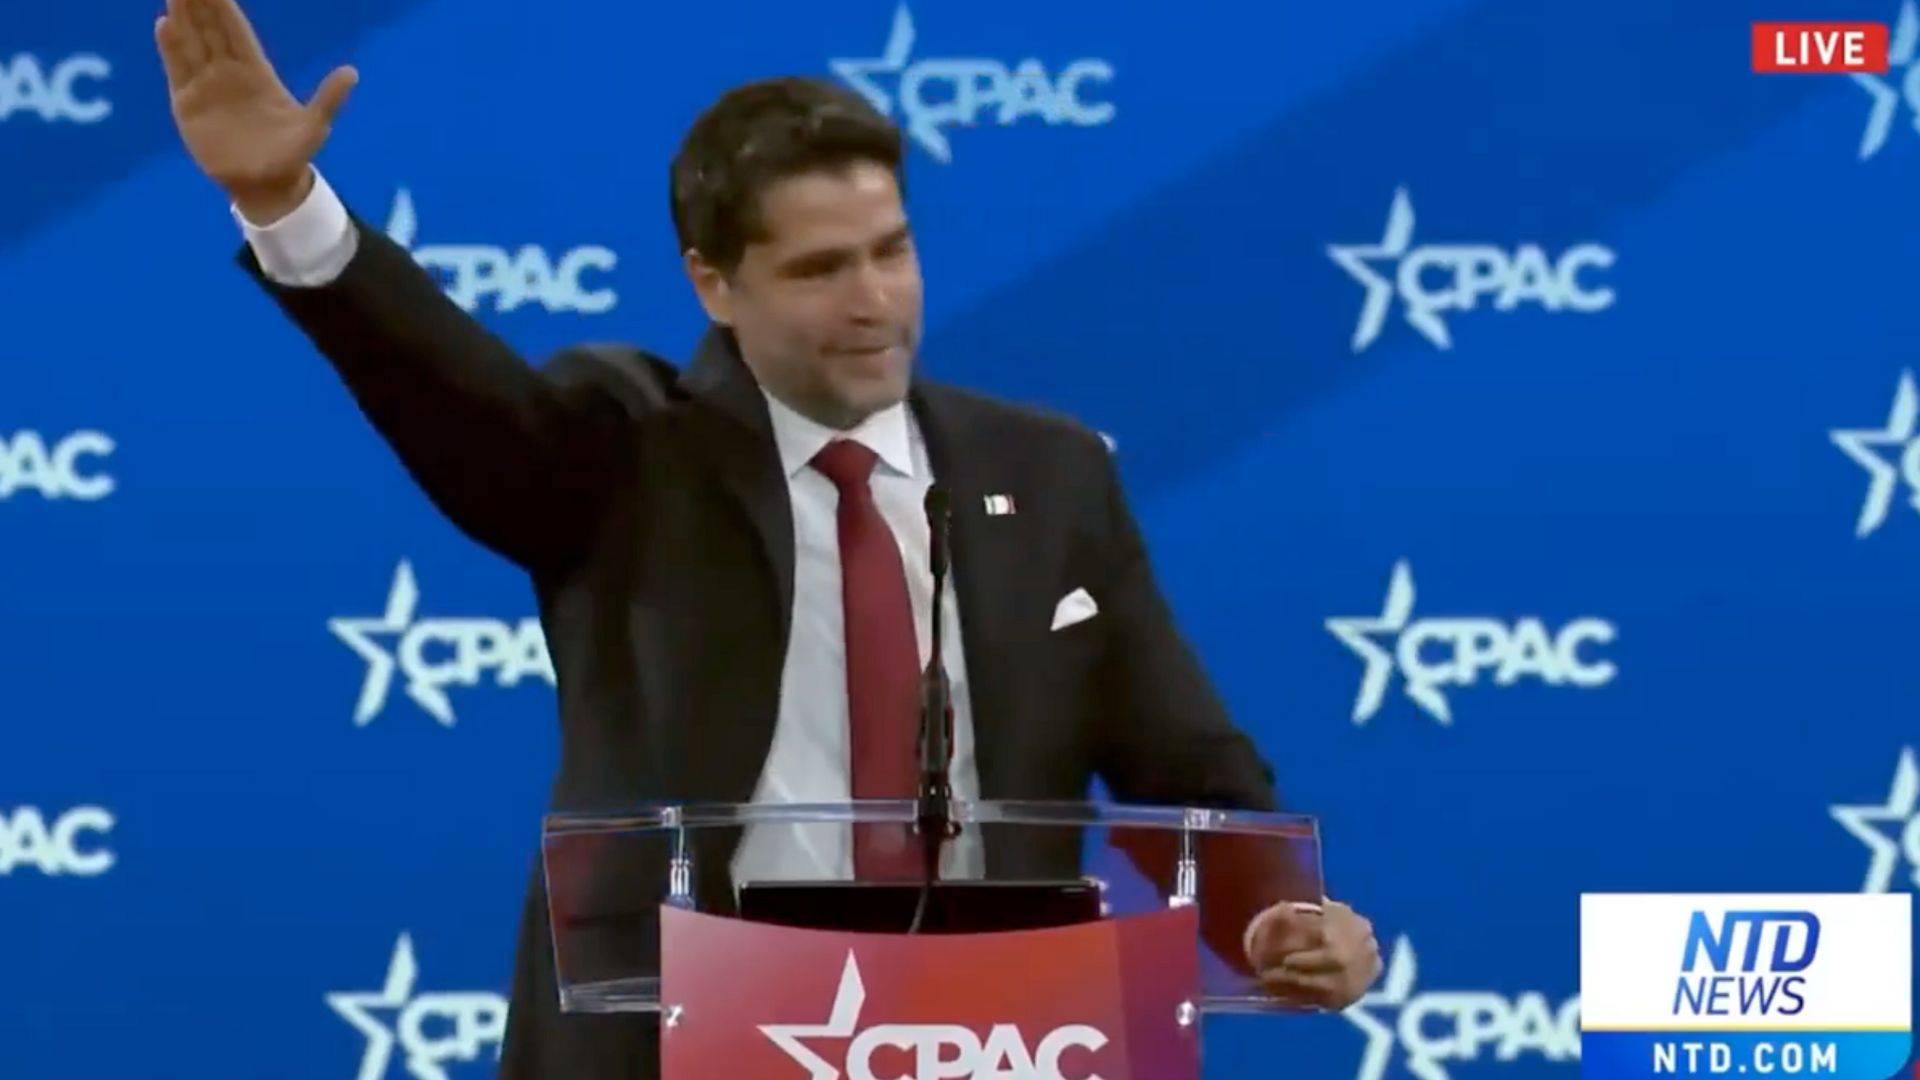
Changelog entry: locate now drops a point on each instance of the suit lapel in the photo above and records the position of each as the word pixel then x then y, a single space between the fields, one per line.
pixel 984 562
pixel 736 435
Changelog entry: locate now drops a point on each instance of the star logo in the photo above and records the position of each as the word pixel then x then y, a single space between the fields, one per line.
pixel 1356 260
pixel 431 1029
pixel 1435 279
pixel 359 634
pixel 861 75
pixel 403 221
pixel 437 653
pixel 1357 633
pixel 1901 52
pixel 1437 652
pixel 1395 990
pixel 1425 1027
pixel 1889 827
pixel 1883 474
pixel 932 94
pixel 841 1022
pixel 357 1008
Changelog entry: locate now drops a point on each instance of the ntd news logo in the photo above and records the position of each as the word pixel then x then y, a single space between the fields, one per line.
pixel 1743 984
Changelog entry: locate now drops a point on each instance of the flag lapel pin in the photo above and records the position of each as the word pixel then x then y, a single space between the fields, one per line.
pixel 998 505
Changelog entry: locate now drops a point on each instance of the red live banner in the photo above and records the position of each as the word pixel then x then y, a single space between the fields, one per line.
pixel 753 1001
pixel 1819 48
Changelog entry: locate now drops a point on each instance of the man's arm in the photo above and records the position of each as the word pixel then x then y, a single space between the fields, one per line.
pixel 508 453
pixel 1170 741
pixel 1169 737
pixel 513 456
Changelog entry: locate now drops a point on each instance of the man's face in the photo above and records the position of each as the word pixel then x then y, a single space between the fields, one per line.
pixel 827 308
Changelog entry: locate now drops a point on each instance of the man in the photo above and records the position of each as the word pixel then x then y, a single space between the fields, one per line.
pixel 732 561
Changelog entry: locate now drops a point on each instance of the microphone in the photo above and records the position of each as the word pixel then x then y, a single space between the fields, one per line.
pixel 938 520
pixel 934 810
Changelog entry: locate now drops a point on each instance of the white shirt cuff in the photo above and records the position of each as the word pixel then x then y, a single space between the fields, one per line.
pixel 310 246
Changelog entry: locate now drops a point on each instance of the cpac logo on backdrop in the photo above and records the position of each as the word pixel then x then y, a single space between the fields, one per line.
pixel 1900 85
pixel 1433 280
pixel 432 1030
pixel 54 93
pixel 1439 1028
pixel 477 273
pixel 436 654
pixel 1434 653
pixel 1891 830
pixel 937 94
pixel 930 1051
pixel 1896 460
pixel 73 844
pixel 61 471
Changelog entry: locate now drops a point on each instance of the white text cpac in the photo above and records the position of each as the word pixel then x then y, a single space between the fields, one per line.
pixel 30 87
pixel 73 844
pixel 66 470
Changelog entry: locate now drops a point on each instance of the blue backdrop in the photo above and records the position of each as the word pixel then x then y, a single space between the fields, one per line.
pixel 1518 398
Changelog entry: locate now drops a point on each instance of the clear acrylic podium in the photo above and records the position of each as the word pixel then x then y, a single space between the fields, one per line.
pixel 621 886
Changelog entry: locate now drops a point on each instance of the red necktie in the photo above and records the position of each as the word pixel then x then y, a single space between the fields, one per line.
pixel 883 662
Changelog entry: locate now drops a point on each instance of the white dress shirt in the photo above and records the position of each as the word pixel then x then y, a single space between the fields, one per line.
pixel 809 758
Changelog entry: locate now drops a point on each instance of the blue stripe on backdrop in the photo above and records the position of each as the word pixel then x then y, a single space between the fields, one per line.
pixel 1634 463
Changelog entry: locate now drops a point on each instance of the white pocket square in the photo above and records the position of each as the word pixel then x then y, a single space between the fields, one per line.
pixel 1074 607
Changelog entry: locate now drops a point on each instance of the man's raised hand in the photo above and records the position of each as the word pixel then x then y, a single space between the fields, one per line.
pixel 240 123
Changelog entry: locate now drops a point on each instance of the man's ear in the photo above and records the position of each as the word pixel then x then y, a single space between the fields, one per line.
pixel 710 284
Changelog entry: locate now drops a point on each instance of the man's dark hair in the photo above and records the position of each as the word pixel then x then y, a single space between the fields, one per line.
pixel 760 133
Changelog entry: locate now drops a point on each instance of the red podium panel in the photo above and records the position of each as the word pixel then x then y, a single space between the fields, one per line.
pixel 1111 999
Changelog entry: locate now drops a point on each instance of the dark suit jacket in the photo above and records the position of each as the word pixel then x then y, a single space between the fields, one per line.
pixel 651 512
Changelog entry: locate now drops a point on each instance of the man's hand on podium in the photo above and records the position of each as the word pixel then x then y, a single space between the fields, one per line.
pixel 1321 955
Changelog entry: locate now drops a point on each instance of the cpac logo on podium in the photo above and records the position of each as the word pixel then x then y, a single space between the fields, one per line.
pixel 61 471
pixel 938 94
pixel 933 1051
pixel 1433 280
pixel 437 654
pixel 483 273
pixel 1432 653
pixel 62 849
pixel 28 88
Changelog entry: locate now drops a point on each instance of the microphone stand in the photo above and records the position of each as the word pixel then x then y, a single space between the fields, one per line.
pixel 933 817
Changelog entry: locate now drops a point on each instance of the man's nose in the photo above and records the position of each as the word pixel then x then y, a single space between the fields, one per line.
pixel 868 291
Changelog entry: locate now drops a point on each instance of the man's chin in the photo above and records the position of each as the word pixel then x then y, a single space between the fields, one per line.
pixel 877 379
pixel 878 363
pixel 864 397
